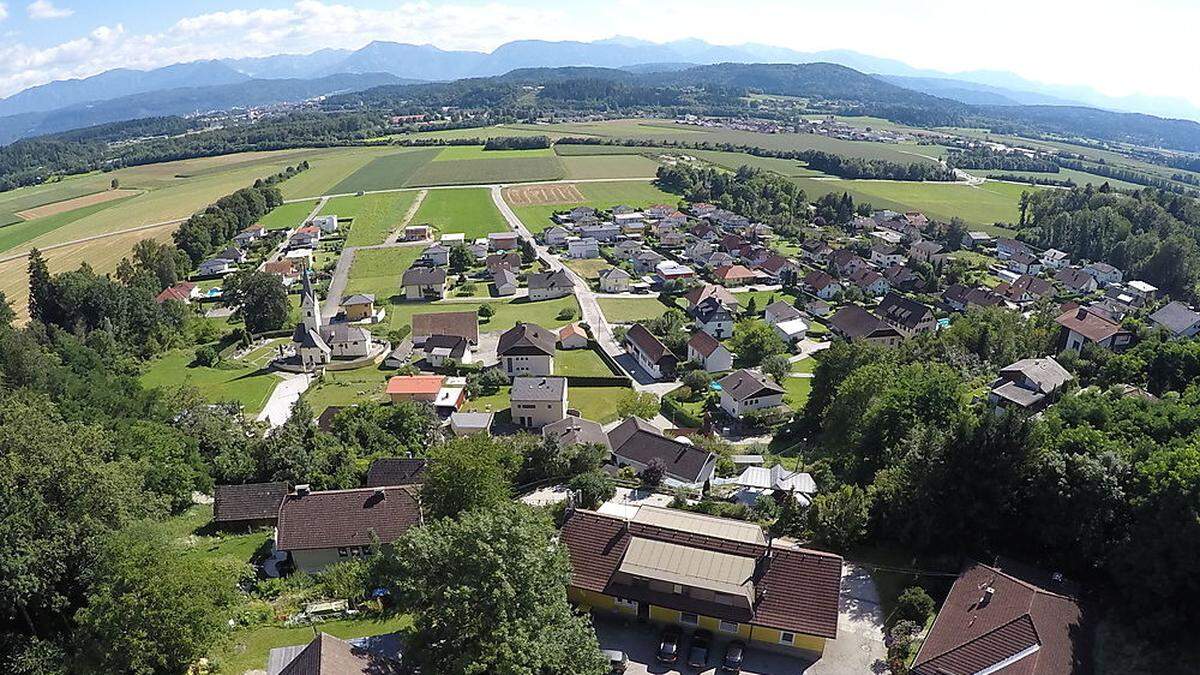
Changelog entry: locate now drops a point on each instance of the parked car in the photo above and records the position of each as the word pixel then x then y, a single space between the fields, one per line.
pixel 698 654
pixel 734 653
pixel 617 661
pixel 668 644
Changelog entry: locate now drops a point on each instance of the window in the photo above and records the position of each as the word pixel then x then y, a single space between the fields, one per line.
pixel 625 602
pixel 729 627
pixel 676 588
pixel 342 552
pixel 689 618
pixel 786 638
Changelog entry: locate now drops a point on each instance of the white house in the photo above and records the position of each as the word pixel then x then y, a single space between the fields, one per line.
pixel 327 224
pixel 709 353
pixel 744 391
pixel 792 330
pixel 527 349
pixel 555 235
pixel 215 267
pixel 549 285
pixel 614 280
pixel 578 247
pixel 1055 259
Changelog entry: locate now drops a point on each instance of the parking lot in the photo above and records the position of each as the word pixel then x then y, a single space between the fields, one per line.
pixel 640 642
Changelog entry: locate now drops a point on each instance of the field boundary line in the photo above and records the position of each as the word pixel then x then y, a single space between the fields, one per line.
pixel 394 235
pixel 94 237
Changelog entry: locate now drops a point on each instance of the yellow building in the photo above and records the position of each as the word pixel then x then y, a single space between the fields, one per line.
pixel 669 566
pixel 359 307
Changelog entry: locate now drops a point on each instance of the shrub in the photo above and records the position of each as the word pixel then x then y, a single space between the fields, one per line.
pixel 654 472
pixel 207 356
pixel 566 314
pixel 915 605
pixel 593 489
pixel 486 311
pixel 697 381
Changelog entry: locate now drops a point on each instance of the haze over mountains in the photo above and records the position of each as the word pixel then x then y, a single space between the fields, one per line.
pixel 211 85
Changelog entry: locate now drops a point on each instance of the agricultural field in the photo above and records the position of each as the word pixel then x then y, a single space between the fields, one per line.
pixel 456 152
pixel 12 236
pixel 246 381
pixel 387 172
pixel 534 205
pixel 470 211
pixel 288 215
pixel 483 171
pixel 34 196
pixel 373 216
pixel 588 268
pixel 735 160
pixel 979 205
pixel 609 166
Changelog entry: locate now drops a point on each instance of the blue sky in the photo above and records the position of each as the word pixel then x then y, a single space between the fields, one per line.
pixel 1105 44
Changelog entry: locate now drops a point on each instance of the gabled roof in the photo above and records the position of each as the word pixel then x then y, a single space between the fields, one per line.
pixel 784 310
pixel 396 471
pixel 710 310
pixel 424 276
pixel 614 273
pixel 447 346
pixel 503 276
pixel 414 384
pixel 550 280
pixel 853 321
pixel 649 345
pixel 1088 324
pixel 336 518
pixel 1030 624
pixel 704 344
pixel 702 293
pixel 732 272
pixel 359 299
pixel 743 384
pixel 252 501
pixel 572 430
pixel 571 330
pixel 1075 279
pixel 181 291
pixel 818 280
pixel 539 388
pixel 1046 374
pixel 638 440
pixel 527 339
pixel 1175 317
pixel 465 324
pixel 904 311
pixel 327 655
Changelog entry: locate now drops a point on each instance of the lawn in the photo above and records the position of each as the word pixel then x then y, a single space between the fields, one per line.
pixel 469 211
pixel 578 150
pixel 508 312
pixel 604 195
pixel 346 387
pixel 804 365
pixel 588 268
pixel 580 362
pixel 479 171
pixel 981 206
pixel 378 271
pixel 247 649
pixel 627 310
pixel 230 381
pixel 288 215
pixel 797 390
pixel 374 215
pixel 192 529
pixel 454 152
pixel 387 172
pixel 598 404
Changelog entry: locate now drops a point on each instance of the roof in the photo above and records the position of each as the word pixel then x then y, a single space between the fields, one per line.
pixel 505 277
pixel 614 273
pixel 701 293
pixel 423 276
pixel 699 523
pixel 904 311
pixel 1074 278
pixel 464 324
pixel 1026 627
pixel 527 339
pixel 710 310
pixel 327 655
pixel 817 279
pixel 538 389
pixel 776 478
pixel 743 384
pixel 343 332
pixel 853 321
pixel 649 345
pixel 252 501
pixel 282 267
pixel 472 420
pixel 727 272
pixel 1046 374
pixel 510 260
pixel 572 430
pixel 396 471
pixel 336 518
pixel 359 299
pixel 1088 324
pixel 571 330
pixel 415 384
pixel 783 309
pixel 550 280
pixel 446 346
pixel 1175 317
pixel 790 589
pixel 637 440
pixel 180 291
pixel 792 327
pixel 703 343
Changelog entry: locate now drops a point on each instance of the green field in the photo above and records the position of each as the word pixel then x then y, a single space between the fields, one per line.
pixel 342 388
pixel 578 150
pixel 374 215
pixel 609 166
pixel 508 312
pixel 605 195
pixel 239 381
pixel 798 389
pixel 580 362
pixel 247 649
pixel 482 171
pixel 378 271
pixel 388 172
pixel 33 196
pixel 735 160
pixel 288 216
pixel 1080 177
pixel 454 152
pixel 468 210
pixel 12 236
pixel 628 310
pixel 588 268
pixel 982 205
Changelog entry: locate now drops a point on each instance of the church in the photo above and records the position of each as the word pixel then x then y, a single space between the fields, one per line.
pixel 316 344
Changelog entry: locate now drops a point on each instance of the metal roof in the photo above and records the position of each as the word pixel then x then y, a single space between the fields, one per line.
pixel 688 566
pixel 684 521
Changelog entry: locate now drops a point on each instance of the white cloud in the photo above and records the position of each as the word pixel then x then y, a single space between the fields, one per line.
pixel 45 9
pixel 3 11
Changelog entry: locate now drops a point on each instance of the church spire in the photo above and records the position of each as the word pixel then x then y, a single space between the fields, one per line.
pixel 310 308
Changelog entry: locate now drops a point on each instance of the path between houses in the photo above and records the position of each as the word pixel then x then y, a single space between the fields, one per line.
pixel 394 235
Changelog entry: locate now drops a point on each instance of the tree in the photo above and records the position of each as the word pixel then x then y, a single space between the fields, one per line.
pixel 592 488
pixel 754 341
pixel 915 605
pixel 468 473
pixel 297 451
pixel 152 608
pixel 654 472
pixel 395 429
pixel 461 258
pixel 40 288
pixel 488 595
pixel 207 356
pixel 115 184
pixel 752 307
pixel 262 297
pixel 697 380
pixel 637 404
pixel 6 311
pixel 777 366
pixel 486 311
pixel 838 519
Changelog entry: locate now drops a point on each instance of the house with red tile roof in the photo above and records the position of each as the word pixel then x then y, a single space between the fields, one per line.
pixel 1082 325
pixel 184 291
pixel 697 571
pixel 734 275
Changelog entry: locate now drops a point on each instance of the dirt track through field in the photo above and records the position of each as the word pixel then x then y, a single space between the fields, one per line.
pixel 528 195
pixel 56 208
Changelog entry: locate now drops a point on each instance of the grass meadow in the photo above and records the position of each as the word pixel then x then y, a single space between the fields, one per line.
pixel 374 215
pixel 469 211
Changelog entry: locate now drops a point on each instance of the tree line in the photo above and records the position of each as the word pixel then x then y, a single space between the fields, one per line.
pixel 988 159
pixel 516 143
pixel 754 193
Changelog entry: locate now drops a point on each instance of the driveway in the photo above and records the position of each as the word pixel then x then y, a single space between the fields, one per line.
pixel 279 406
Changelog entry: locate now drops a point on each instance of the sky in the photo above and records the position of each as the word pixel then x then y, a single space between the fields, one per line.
pixel 1110 45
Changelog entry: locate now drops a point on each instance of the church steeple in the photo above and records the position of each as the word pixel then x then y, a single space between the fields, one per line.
pixel 310 307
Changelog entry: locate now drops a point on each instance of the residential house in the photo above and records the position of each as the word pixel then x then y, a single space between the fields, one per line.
pixel 884 255
pixel 437 255
pixel 672 240
pixel 453 239
pixel 442 349
pixel 718 259
pixel 1103 273
pixel 1178 319
pixel 669 270
pixel 416 388
pixel 855 323
pixel 704 231
pixel 758 481
pixel 397 471
pixel 1025 288
pixel 1083 325
pixel 627 248
pixel 318 528
pixel 538 401
pixel 649 352
pixel 821 284
pixel 817 307
pixel 359 307
pixel 815 251
pixel 328 655
pixel 579 212
pixel 505 282
pixel 697 571
pixel 614 280
pixel 572 336
pixel 845 262
pixel 906 315
pixel 571 430
pixel 903 278
pixel 184 291
pixel 1023 262
pixel 1007 247
pixel 701 209
pixel 1029 384
pixel 645 260
pixel 791 331
pixel 870 281
pixel 722 295
pixel 779 269
pixel 250 235
pixel 734 275
pixel 1055 259
pixel 233 254
pixel 249 505
pixel 976 239
pixel 214 267
pixel 709 353
pixel 549 285
pixel 464 324
pixel 417 232
pixel 1076 280
pixel 779 311
pixel 1141 290
pixel 1007 618
pixel 604 232
pixel 479 248
pixel 497 261
pixel 502 241
pixel 471 423
pixel 424 283
pixel 635 443
pixel 958 297
pixel 328 224
pixel 746 391
pixel 889 237
pixel 731 243
pixel 527 349
pixel 860 224
pixel 927 251
pixel 305 237
pixel 581 248
pixel 713 317
pixel 555 235
pixel 660 211
pixel 346 341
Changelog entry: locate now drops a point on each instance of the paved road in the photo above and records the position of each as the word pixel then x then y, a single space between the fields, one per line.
pixel 341 272
pixel 279 407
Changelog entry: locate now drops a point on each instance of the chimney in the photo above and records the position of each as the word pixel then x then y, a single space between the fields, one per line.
pixel 303 489
pixel 988 593
pixel 1081 313
pixel 380 493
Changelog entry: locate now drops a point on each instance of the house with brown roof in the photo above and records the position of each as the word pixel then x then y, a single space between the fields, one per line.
pixel 396 471
pixel 870 281
pixel 319 528
pixel 572 430
pixel 328 655
pixel 572 336
pixel 184 291
pixel 821 284
pixel 248 505
pixel 699 294
pixel 734 275
pixel 527 349
pixel 424 283
pixel 855 323
pixel 462 324
pixel 1083 325
pixel 906 315
pixel 745 391
pixel 709 353
pixel 1023 289
pixel 697 571
pixel 1076 280
pixel 1004 619
pixel 635 442
pixel 649 352
pixel 958 298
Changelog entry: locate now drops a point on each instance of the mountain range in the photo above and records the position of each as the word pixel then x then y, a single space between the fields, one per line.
pixel 200 86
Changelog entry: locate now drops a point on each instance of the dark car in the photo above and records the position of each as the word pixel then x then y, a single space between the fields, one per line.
pixel 734 653
pixel 668 645
pixel 698 654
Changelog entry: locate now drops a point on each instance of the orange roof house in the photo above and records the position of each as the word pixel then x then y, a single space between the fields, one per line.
pixel 414 387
